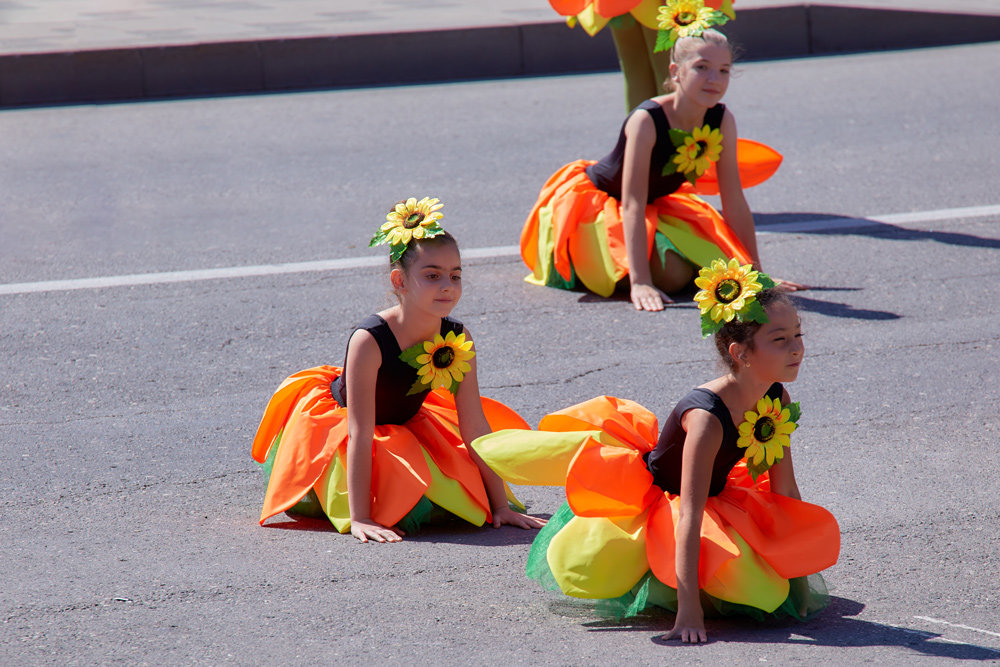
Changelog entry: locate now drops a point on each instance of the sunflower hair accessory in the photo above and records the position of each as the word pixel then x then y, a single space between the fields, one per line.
pixel 764 434
pixel 689 18
pixel 729 290
pixel 442 362
pixel 407 220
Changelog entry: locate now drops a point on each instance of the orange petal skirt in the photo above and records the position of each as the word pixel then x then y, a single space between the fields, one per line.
pixel 302 445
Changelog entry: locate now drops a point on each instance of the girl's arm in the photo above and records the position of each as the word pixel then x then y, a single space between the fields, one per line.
pixel 640 136
pixel 701 444
pixel 782 474
pixel 735 209
pixel 472 424
pixel 363 359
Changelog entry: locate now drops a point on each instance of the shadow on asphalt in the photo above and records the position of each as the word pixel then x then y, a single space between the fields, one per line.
pixel 836 309
pixel 835 626
pixel 872 228
pixel 451 531
pixel 684 300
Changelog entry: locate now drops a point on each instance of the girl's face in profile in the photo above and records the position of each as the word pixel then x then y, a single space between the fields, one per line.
pixel 777 346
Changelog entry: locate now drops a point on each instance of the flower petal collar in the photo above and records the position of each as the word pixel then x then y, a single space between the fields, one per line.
pixel 441 362
pixel 764 433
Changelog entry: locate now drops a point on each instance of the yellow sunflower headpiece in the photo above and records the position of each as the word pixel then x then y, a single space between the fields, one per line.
pixel 764 434
pixel 729 290
pixel 440 362
pixel 696 151
pixel 686 18
pixel 407 220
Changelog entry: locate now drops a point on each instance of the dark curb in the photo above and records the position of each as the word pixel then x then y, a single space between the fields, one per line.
pixel 255 66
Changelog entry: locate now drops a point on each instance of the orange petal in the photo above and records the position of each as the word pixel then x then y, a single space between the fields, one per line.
pixel 606 480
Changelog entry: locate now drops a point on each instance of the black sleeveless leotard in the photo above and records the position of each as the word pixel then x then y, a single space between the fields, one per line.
pixel 665 459
pixel 607 173
pixel 395 377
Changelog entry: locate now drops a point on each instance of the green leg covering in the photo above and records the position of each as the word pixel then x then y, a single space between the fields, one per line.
pixel 643 70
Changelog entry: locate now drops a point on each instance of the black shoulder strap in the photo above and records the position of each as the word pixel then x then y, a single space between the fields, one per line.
pixel 451 324
pixel 380 331
pixel 775 391
pixel 713 117
pixel 659 118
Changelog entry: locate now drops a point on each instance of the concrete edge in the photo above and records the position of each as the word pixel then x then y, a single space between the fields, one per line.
pixel 310 63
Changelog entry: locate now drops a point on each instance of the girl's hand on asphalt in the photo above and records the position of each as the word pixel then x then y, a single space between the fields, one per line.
pixel 647 297
pixel 367 529
pixel 506 515
pixel 690 629
pixel 787 286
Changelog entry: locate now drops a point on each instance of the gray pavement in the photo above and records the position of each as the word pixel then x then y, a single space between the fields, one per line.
pixel 57 51
pixel 127 495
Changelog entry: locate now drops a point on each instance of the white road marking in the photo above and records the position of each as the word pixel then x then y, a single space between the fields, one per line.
pixel 829 224
pixel 958 625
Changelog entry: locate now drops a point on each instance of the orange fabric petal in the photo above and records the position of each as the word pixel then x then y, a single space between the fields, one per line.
pixel 612 8
pixel 608 481
pixel 498 415
pixel 568 212
pixel 450 454
pixel 282 403
pixel 661 545
pixel 706 222
pixel 626 421
pixel 569 7
pixel 313 432
pixel 555 188
pixel 399 473
pixel 757 163
pixel 796 538
pixel 616 231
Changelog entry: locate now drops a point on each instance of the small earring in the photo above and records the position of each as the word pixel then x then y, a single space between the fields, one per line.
pixel 747 364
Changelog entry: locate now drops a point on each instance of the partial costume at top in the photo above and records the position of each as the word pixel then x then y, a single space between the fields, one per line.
pixel 642 31
pixel 418 458
pixel 575 232
pixel 614 541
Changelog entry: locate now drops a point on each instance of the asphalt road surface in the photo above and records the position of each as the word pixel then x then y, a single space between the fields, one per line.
pixel 129 501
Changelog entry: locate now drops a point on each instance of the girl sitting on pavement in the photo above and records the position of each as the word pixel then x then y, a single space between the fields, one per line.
pixel 635 215
pixel 378 446
pixel 707 517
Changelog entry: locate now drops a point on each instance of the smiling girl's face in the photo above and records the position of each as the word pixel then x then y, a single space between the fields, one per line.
pixel 433 280
pixel 703 74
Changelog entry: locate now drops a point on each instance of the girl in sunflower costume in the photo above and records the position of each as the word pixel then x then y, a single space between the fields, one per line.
pixel 378 446
pixel 636 213
pixel 705 518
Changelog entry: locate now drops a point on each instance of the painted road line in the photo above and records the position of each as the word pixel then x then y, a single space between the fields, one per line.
pixel 958 625
pixel 254 271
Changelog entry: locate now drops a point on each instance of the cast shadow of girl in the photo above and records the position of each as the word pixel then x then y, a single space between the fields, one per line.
pixel 834 627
